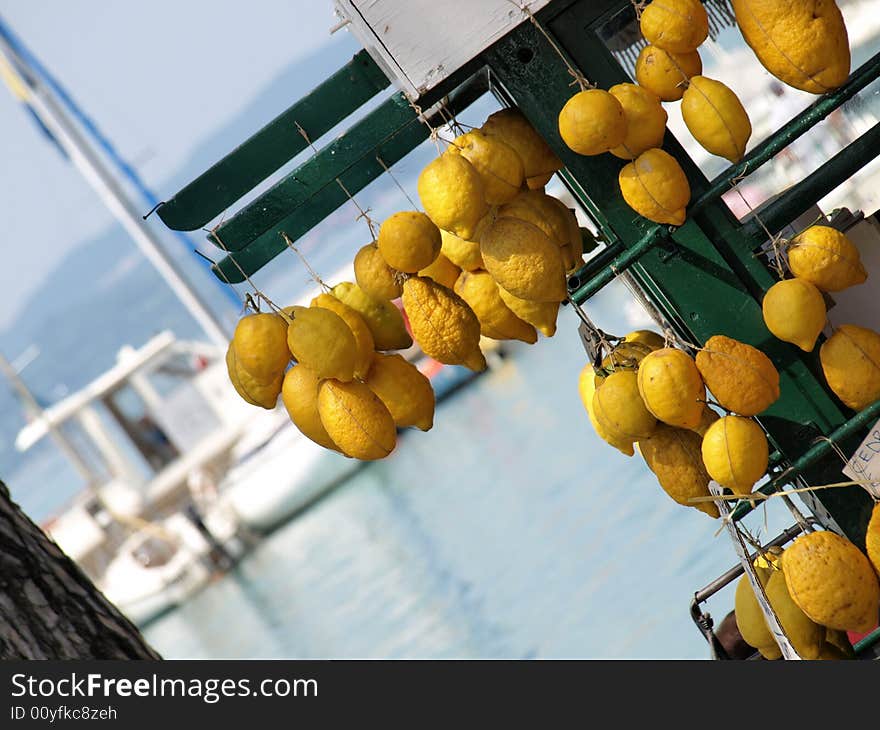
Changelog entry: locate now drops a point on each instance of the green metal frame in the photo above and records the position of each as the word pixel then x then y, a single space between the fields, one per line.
pixel 703 276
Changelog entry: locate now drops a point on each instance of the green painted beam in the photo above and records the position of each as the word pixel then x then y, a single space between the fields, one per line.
pixel 799 198
pixel 278 142
pixel 296 190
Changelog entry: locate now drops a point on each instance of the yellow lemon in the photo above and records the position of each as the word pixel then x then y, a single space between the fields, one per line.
pixel 673 454
pixel 851 363
pixel 655 186
pixel 464 254
pixel 716 118
pixel 497 321
pixel 794 311
pixel 653 340
pixel 675 25
pixel 541 315
pixel 499 165
pixel 443 271
pixel 741 377
pixel 645 120
pixel 573 252
pixel 832 581
pixel 523 260
pixel 323 342
pixel 735 453
pixel 806 636
pixel 872 538
pixel 363 338
pixel 445 327
pixel 406 393
pixel 666 73
pixel 408 241
pixel 803 44
pixel 750 618
pixel 587 389
pixel 258 393
pixel 592 122
pixel 260 344
pixel 515 130
pixel 826 258
pixel 548 214
pixel 374 275
pixel 453 195
pixel 299 393
pixel 672 388
pixel 382 317
pixel 619 407
pixel 356 420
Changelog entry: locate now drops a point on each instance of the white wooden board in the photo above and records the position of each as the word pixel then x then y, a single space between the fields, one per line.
pixel 418 43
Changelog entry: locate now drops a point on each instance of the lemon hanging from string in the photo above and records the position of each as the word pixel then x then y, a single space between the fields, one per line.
pixel 374 275
pixel 408 241
pixel 497 321
pixel 453 195
pixel 299 393
pixel 666 73
pixel 806 636
pixel 794 311
pixel 832 581
pixel 363 338
pixel 655 186
pixel 382 317
pixel 645 120
pixel 511 126
pixel 803 44
pixel 652 339
pixel 523 260
pixel 498 164
pixel 356 420
pixel 260 344
pixel 741 377
pixel 675 25
pixel 443 324
pixel 587 389
pixel 592 122
pixel 619 408
pixel 735 453
pixel 548 214
pixel 872 538
pixel 673 454
pixel 851 363
pixel 322 341
pixel 716 118
pixel 672 388
pixel 750 618
pixel 826 258
pixel 406 393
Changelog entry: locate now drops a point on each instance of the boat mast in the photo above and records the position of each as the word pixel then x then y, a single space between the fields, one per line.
pixel 33 409
pixel 92 168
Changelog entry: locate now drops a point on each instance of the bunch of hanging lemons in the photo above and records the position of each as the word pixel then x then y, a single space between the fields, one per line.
pixel 487 258
pixel 647 393
pixel 629 120
pixel 819 588
pixel 824 260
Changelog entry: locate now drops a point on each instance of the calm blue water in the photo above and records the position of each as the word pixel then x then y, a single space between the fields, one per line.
pixel 509 530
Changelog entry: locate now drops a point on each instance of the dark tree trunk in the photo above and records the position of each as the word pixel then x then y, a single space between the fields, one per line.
pixel 49 609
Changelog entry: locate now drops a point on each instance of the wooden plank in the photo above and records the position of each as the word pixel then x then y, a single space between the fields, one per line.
pixel 278 142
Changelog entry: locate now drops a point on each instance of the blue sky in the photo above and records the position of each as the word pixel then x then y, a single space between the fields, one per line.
pixel 157 77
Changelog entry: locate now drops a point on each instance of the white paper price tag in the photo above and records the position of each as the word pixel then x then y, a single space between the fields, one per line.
pixel 864 464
